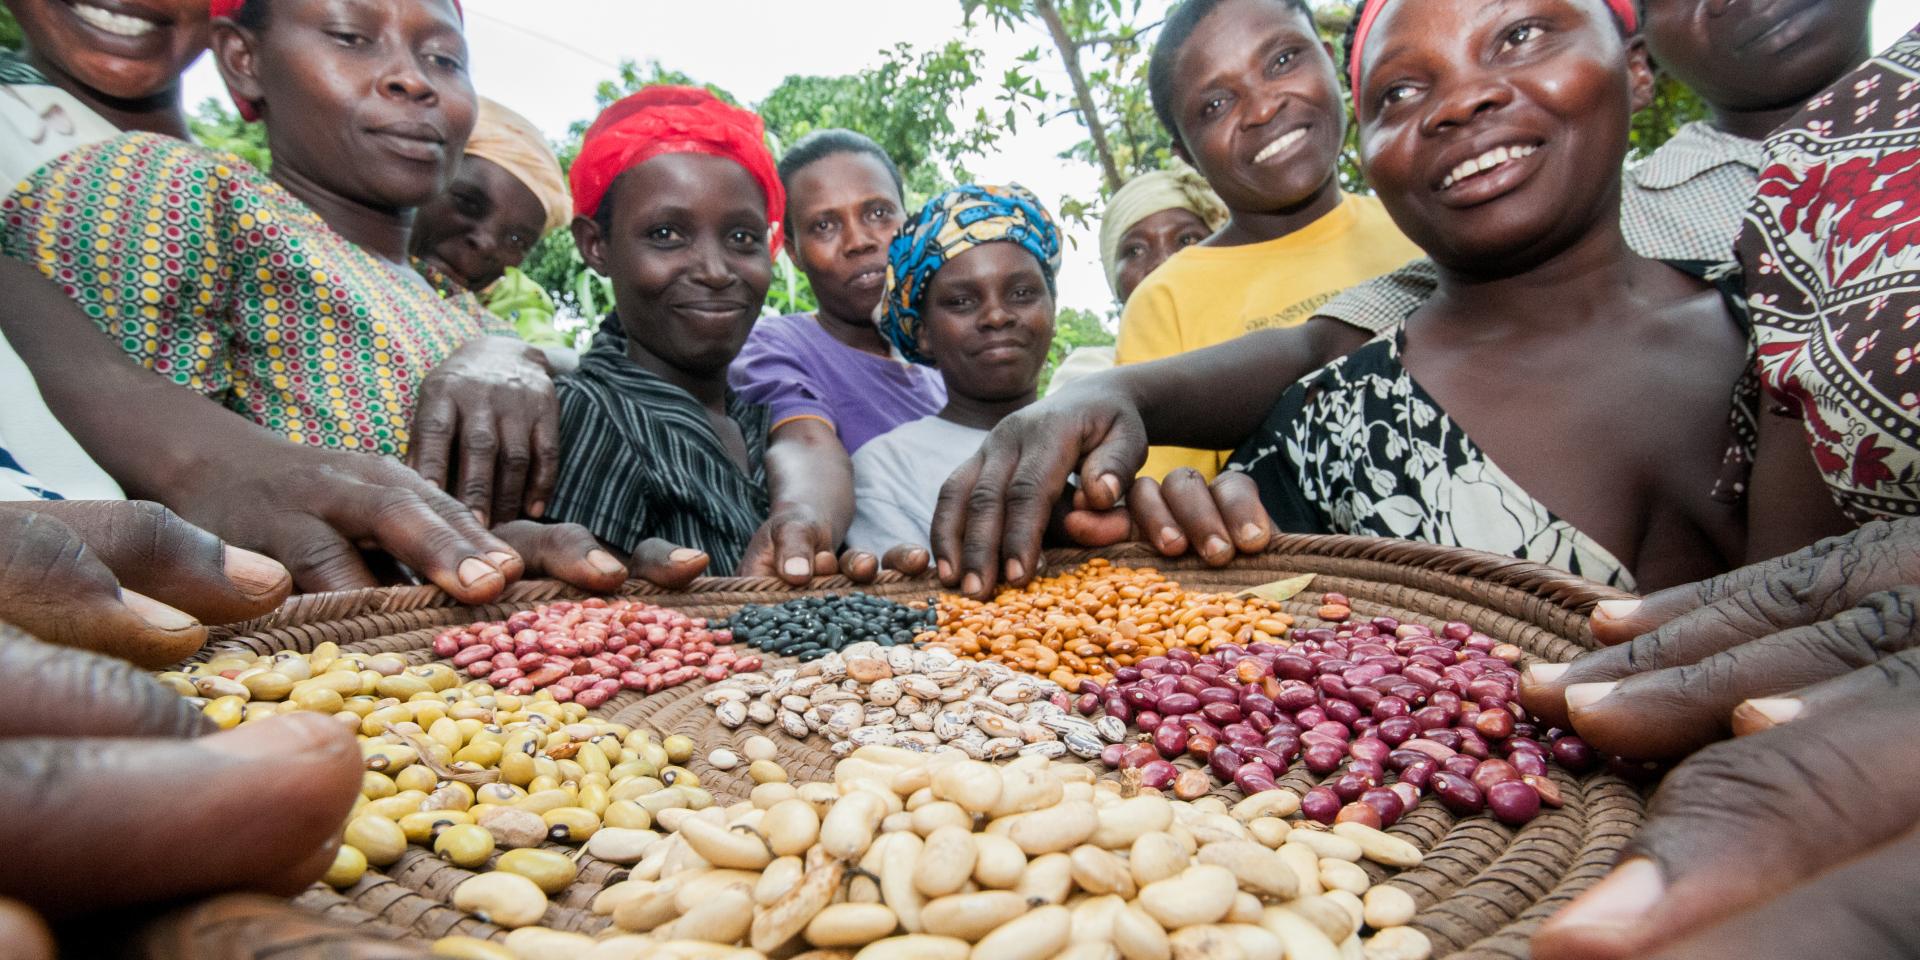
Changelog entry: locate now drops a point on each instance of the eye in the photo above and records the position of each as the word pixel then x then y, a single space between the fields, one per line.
pixel 470 204
pixel 1396 93
pixel 1213 106
pixel 520 241
pixel 823 225
pixel 1282 60
pixel 1132 250
pixel 1518 35
pixel 662 234
pixel 445 62
pixel 746 239
pixel 346 38
pixel 1189 239
pixel 883 213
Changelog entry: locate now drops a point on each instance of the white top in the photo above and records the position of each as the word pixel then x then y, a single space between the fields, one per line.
pixel 897 478
pixel 39 459
pixel 41 123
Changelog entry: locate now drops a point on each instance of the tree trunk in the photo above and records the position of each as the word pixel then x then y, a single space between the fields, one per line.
pixel 1089 113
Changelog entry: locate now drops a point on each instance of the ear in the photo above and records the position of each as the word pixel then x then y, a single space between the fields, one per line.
pixel 1640 73
pixel 233 52
pixel 592 244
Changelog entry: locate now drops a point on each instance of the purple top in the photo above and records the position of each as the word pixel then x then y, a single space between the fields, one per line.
pixel 793 366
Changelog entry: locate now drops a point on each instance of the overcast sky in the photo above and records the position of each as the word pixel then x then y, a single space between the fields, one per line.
pixel 545 58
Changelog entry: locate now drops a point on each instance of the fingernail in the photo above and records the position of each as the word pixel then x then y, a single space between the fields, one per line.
pixel 797 567
pixel 1216 548
pixel 473 570
pixel 500 559
pixel 538 510
pixel 156 613
pixel 605 562
pixel 971 585
pixel 688 555
pixel 1111 484
pixel 1623 899
pixel 481 516
pixel 1251 532
pixel 1169 536
pixel 1583 695
pixel 946 571
pixel 253 574
pixel 916 556
pixel 1616 609
pixel 1545 673
pixel 1765 713
pixel 1015 570
pixel 278 737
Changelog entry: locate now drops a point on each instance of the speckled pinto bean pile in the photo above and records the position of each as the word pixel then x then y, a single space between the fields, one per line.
pixel 589 650
pixel 1098 618
pixel 1354 702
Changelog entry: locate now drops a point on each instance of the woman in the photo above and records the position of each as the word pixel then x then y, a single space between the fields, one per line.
pixel 290 299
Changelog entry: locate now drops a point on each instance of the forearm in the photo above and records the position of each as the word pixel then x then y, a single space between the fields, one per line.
pixel 1213 399
pixel 807 467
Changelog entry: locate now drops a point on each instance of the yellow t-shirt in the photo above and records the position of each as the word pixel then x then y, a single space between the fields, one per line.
pixel 1205 296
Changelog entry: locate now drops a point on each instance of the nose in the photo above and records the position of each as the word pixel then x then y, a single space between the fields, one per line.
pixel 1265 106
pixel 1466 100
pixel 998 316
pixel 404 80
pixel 710 267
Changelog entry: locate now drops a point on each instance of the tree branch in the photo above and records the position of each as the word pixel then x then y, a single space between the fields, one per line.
pixel 1089 112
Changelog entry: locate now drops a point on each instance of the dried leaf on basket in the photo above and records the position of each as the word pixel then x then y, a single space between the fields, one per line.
pixel 1280 591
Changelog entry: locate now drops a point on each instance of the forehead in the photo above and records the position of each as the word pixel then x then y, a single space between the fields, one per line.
pixel 841 178
pixel 1168 220
pixel 1407 25
pixel 690 181
pixel 1231 32
pixel 996 258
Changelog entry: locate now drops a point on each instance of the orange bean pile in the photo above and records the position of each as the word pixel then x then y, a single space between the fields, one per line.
pixel 1088 622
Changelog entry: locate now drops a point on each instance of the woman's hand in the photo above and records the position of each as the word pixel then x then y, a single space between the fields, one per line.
pixel 1218 521
pixel 126 578
pixel 797 544
pixel 1691 664
pixel 491 408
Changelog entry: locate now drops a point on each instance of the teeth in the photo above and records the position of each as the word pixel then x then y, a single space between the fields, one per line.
pixel 114 23
pixel 1273 149
pixel 1496 157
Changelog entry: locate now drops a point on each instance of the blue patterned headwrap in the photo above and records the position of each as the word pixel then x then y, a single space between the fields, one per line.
pixel 948 226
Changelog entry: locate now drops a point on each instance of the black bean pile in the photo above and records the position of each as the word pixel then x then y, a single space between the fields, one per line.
pixel 811 627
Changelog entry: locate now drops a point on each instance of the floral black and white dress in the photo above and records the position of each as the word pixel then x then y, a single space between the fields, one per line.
pixel 1360 448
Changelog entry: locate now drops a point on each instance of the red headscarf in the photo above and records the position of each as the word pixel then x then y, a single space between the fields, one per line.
pixel 663 120
pixel 1621 8
pixel 231 9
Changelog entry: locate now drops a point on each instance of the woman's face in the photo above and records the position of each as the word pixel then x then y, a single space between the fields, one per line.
pixel 486 222
pixel 1147 244
pixel 1494 132
pixel 687 252
pixel 368 99
pixel 846 210
pixel 1755 55
pixel 989 322
pixel 120 49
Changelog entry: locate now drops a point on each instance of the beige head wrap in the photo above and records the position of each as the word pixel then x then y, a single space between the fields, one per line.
pixel 1147 194
pixel 508 139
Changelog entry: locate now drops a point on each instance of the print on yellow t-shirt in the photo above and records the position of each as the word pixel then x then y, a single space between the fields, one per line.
pixel 1205 295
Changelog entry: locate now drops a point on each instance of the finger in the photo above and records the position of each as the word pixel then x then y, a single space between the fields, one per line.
pixel 909 559
pixel 510 468
pixel 59 691
pixel 405 526
pixel 666 565
pixel 1898 674
pixel 1799 588
pixel 859 566
pixel 430 445
pixel 1099 528
pixel 565 551
pixel 1026 507
pixel 1151 516
pixel 1743 820
pixel 80 809
pixel 479 444
pixel 825 564
pixel 238 926
pixel 1670 712
pixel 794 546
pixel 949 532
pixel 54 587
pixel 152 550
pixel 1113 459
pixel 1861 909
pixel 980 560
pixel 546 459
pixel 1190 501
pixel 23 935
pixel 1238 499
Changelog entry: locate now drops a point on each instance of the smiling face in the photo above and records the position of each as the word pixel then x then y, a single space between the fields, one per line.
pixel 1147 244
pixel 1257 106
pixel 118 49
pixel 1494 132
pixel 486 222
pixel 844 210
pixel 369 99
pixel 1757 54
pixel 988 323
pixel 686 247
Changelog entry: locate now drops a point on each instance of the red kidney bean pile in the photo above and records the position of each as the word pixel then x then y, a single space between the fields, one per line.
pixel 587 651
pixel 1355 703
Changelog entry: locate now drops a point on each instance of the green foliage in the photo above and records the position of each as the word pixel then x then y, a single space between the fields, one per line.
pixel 10 35
pixel 1073 329
pixel 216 125
pixel 1673 107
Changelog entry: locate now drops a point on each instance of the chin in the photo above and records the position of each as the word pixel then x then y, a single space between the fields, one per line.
pixel 124 79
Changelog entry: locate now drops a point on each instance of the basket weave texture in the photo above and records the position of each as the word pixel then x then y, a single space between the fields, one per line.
pixel 1481 889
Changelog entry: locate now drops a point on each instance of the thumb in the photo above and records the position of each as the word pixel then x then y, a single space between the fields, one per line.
pixel 664 564
pixel 1098 528
pixel 1113 458
pixel 23 935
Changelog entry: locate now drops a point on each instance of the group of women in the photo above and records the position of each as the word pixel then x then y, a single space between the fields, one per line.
pixel 1518 345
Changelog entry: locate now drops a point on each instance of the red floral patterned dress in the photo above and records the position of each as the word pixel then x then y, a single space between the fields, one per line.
pixel 1832 254
pixel 216 277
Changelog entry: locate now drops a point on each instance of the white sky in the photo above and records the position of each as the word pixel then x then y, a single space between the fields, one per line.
pixel 544 59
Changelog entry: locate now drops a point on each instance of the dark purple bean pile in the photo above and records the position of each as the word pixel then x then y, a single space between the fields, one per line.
pixel 1384 711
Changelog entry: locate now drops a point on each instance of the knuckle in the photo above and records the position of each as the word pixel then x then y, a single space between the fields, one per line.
pixel 1025 489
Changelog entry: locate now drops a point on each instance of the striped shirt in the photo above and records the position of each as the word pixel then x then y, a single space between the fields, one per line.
pixel 640 459
pixel 1684 203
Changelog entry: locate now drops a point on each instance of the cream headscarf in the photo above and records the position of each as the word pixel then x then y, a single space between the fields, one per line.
pixel 1147 194
pixel 508 139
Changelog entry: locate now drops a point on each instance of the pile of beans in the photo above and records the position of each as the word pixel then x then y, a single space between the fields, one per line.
pixel 940 857
pixel 919 699
pixel 1097 619
pixel 1354 703
pixel 812 627
pixel 589 650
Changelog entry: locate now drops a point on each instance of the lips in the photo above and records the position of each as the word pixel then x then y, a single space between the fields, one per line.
pixel 1486 162
pixel 414 141
pixel 869 279
pixel 1001 351
pixel 1281 144
pixel 1772 29
pixel 113 23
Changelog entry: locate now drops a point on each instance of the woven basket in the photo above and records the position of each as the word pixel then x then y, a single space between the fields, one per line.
pixel 1481 889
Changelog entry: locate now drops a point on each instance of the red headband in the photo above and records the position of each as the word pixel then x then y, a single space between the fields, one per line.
pixel 231 9
pixel 664 120
pixel 1621 8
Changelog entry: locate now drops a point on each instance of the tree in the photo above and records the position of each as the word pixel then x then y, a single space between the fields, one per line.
pixel 1073 329
pixel 10 35
pixel 219 127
